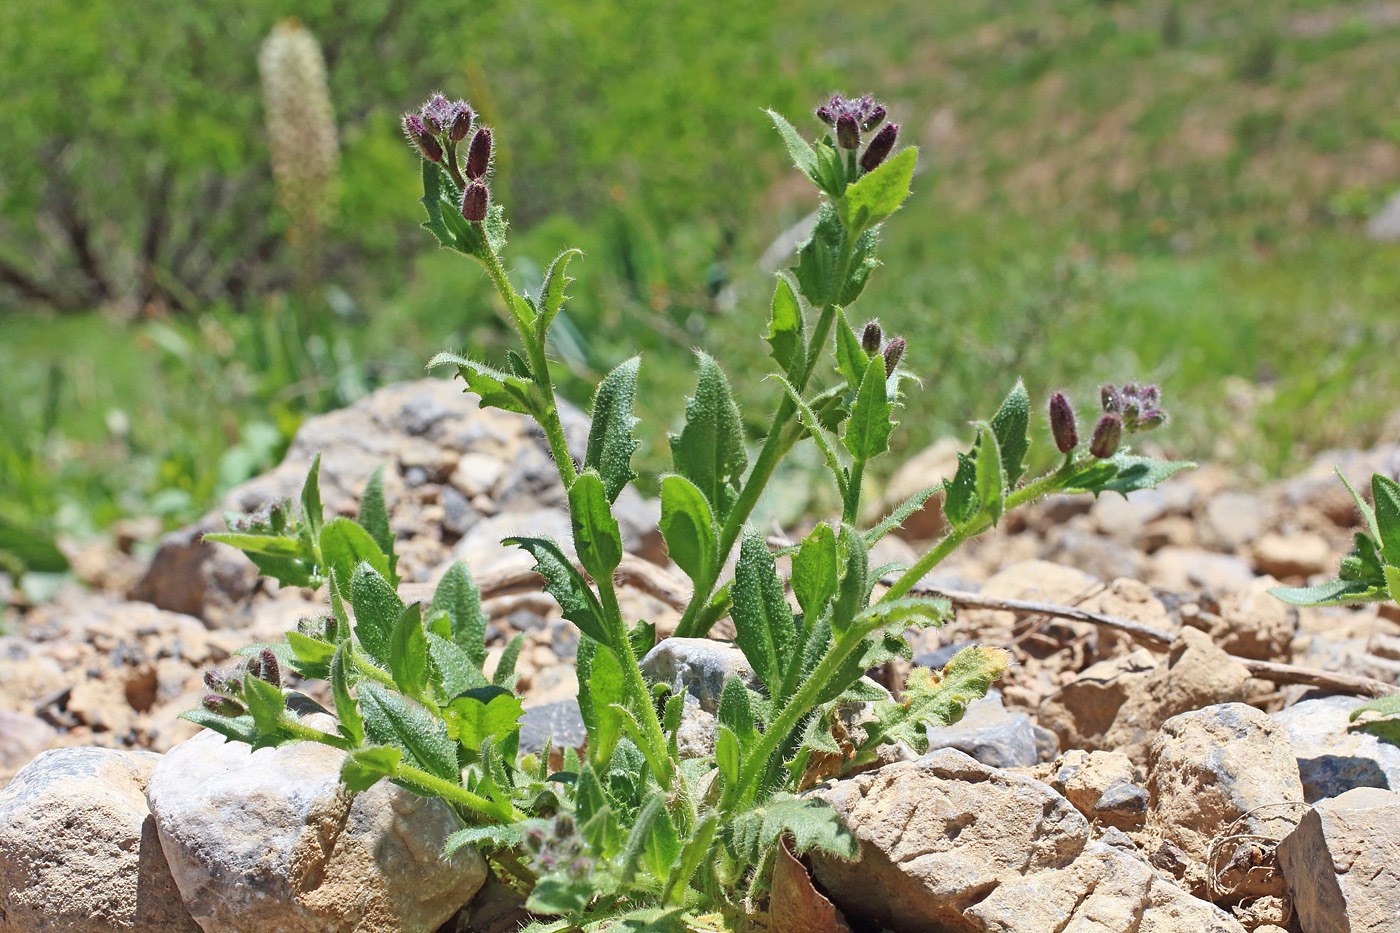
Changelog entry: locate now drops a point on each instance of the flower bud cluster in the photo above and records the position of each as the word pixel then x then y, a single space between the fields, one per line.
pixel 872 341
pixel 1126 410
pixel 435 130
pixel 560 847
pixel 853 118
pixel 226 688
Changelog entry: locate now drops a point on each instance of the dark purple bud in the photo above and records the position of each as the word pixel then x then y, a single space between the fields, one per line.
pixel 461 121
pixel 880 147
pixel 215 681
pixel 475 200
pixel 1152 418
pixel 437 113
pixel 479 156
pixel 579 868
pixel 847 132
pixel 871 338
pixel 271 671
pixel 222 706
pixel 1149 396
pixel 1062 423
pixel 874 118
pixel 534 839
pixel 1107 433
pixel 894 352
pixel 547 862
pixel 826 115
pixel 426 144
pixel 563 826
pixel 1111 399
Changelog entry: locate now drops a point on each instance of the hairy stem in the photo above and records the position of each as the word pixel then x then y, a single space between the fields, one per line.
pixel 659 753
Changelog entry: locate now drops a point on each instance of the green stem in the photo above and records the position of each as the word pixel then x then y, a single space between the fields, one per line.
pixel 372 671
pixel 660 755
pixel 852 504
pixel 450 158
pixel 950 542
pixel 455 793
pixel 307 734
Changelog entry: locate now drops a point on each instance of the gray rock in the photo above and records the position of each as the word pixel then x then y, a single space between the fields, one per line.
pixel 1341 863
pixel 990 734
pixel 78 847
pixel 1224 771
pixel 700 666
pixel 937 834
pixel 268 840
pixel 1331 760
pixel 558 724
pixel 1123 806
pixel 22 737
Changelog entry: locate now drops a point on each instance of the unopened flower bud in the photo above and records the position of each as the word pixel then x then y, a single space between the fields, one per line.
pixel 1152 418
pixel 475 200
pixel 271 671
pixel 461 122
pixel 222 706
pixel 880 147
pixel 1107 433
pixel 215 682
pixel 1062 423
pixel 1110 398
pixel 871 338
pixel 332 629
pixel 826 115
pixel 1149 396
pixel 563 826
pixel 579 868
pixel 534 839
pixel 479 156
pixel 436 113
pixel 847 131
pixel 426 144
pixel 876 117
pixel 894 351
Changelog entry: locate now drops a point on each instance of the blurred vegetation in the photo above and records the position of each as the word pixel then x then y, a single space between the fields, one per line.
pixel 1110 190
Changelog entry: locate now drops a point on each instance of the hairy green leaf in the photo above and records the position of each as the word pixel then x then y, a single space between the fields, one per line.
pixel 374 518
pixel 408 652
pixel 785 331
pixel 610 441
pixel 365 767
pixel 597 538
pixel 459 597
pixel 687 525
pixel 814 574
pixel 377 610
pixel 991 477
pixel 552 295
pixel 800 150
pixel 879 193
pixel 811 823
pixel 1124 473
pixel 1333 593
pixel 452 670
pixel 709 451
pixel 566 585
pixel 1385 492
pixel 497 389
pixel 763 622
pixel 868 429
pixel 1011 426
pixel 345 546
pixel 504 675
pixel 601 687
pixel 818 259
pixel 311 510
pixel 483 713
pixel 939 699
pixel 490 837
pixel 851 359
pixel 896 518
pixel 352 724
pixel 392 720
pixel 854 590
pixel 233 729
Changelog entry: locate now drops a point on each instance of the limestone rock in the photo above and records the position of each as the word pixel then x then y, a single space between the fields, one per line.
pixel 1253 624
pixel 700 666
pixel 1341 863
pixel 1119 703
pixel 267 840
pixel 936 834
pixel 1122 805
pixel 1293 555
pixel 1217 772
pixel 1233 519
pixel 21 738
pixel 1102 891
pixel 78 847
pixel 1182 569
pixel 1082 777
pixel 989 733
pixel 1331 760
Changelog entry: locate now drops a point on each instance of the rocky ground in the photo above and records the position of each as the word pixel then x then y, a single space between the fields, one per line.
pixel 1112 783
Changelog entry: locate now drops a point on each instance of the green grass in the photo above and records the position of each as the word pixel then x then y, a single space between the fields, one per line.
pixel 1109 192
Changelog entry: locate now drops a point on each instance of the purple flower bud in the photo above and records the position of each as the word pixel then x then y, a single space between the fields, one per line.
pixel 579 868
pixel 1149 396
pixel 563 826
pixel 1110 398
pixel 437 113
pixel 871 338
pixel 426 144
pixel 222 706
pixel 331 629
pixel 475 200
pixel 271 671
pixel 461 121
pixel 1107 433
pixel 874 118
pixel 1152 418
pixel 880 147
pixel 847 131
pixel 1062 423
pixel 479 156
pixel 534 839
pixel 826 115
pixel 894 351
pixel 215 681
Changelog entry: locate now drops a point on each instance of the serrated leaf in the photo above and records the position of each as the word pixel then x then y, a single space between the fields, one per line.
pixel 459 597
pixel 496 389
pixel 960 492
pixel 991 477
pixel 566 585
pixel 934 610
pixel 709 451
pixel 374 518
pixel 878 194
pixel 597 538
pixel 610 441
pixel 483 713
pixel 853 592
pixel 1124 473
pixel 377 610
pixel 345 546
pixel 868 429
pixel 311 509
pixel 351 723
pixel 308 649
pixel 408 652
pixel 234 729
pixel 504 674
pixel 392 720
pixel 798 148
pixel 552 290
pixel 1011 426
pixel 814 573
pixel 1333 593
pixel 365 767
pixel 896 518
pixel 786 336
pixel 687 526
pixel 763 622
pixel 818 259
pixel 811 823
pixel 453 670
pixel 939 699
pixel 487 838
pixel 1385 492
pixel 851 359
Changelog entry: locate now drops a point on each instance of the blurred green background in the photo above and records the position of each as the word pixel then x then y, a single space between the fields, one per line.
pixel 1159 190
